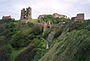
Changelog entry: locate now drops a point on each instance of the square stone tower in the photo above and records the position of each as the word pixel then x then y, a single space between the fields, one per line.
pixel 80 17
pixel 26 14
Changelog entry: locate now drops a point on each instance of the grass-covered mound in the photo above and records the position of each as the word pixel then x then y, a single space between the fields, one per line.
pixel 73 46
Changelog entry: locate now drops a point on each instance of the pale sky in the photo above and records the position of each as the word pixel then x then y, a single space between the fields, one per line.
pixel 66 7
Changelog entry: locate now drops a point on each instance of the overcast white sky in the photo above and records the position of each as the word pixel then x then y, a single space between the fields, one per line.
pixel 66 7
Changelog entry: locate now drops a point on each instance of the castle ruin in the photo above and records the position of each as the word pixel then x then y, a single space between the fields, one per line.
pixel 79 17
pixel 55 15
pixel 7 18
pixel 26 14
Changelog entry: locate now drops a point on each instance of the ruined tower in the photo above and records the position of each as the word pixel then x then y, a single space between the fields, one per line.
pixel 22 14
pixel 79 17
pixel 26 14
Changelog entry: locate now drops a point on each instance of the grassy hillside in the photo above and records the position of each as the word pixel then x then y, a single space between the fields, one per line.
pixel 28 41
pixel 73 46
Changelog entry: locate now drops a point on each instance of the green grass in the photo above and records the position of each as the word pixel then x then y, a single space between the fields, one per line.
pixel 73 46
pixel 14 54
pixel 34 21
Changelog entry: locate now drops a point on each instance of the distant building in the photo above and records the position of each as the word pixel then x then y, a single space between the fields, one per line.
pixel 26 14
pixel 73 18
pixel 79 17
pixel 6 18
pixel 56 15
pixel 44 15
pixel 41 16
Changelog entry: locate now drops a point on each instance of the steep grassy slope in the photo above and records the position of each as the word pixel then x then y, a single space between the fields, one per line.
pixel 73 46
pixel 21 41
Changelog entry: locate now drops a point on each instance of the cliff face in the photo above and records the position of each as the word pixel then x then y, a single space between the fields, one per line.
pixel 73 46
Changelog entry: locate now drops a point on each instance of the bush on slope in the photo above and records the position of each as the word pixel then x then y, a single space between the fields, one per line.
pixel 73 46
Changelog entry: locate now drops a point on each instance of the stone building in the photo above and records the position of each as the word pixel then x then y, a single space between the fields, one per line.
pixel 42 16
pixel 6 18
pixel 56 15
pixel 79 17
pixel 26 14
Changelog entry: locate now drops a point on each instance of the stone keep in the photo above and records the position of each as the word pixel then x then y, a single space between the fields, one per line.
pixel 26 14
pixel 80 17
